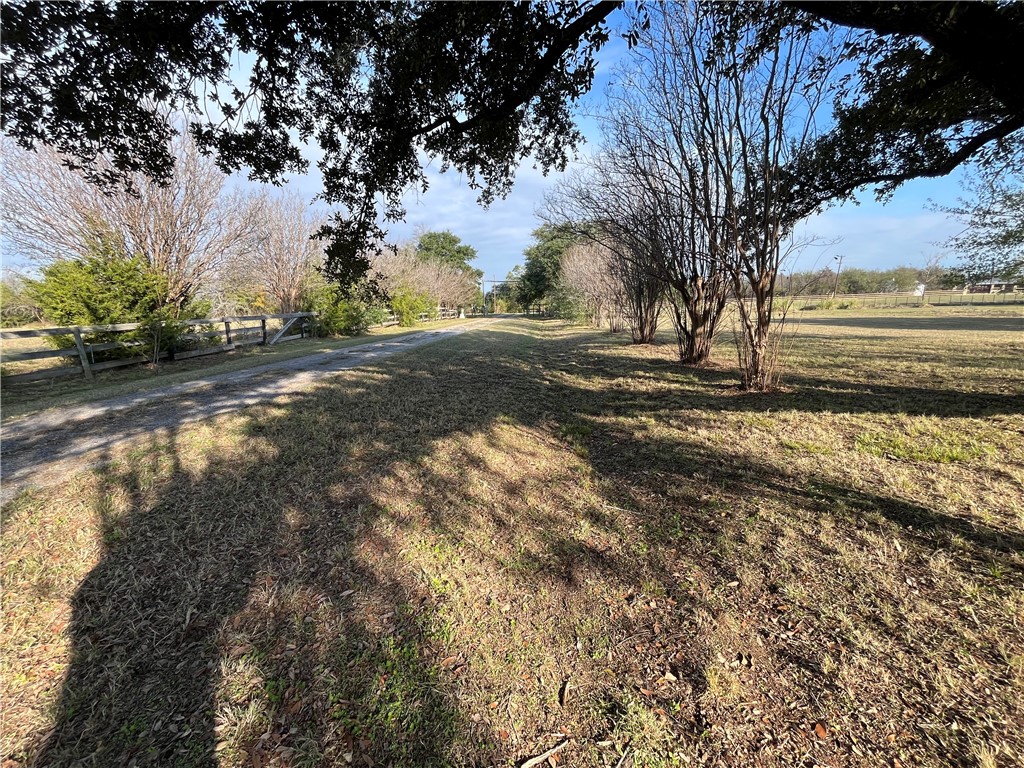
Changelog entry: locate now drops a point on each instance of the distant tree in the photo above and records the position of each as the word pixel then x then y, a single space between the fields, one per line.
pixel 544 262
pixel 17 306
pixel 282 253
pixel 854 280
pixel 409 280
pixel 506 292
pixel 446 248
pixel 991 245
pixel 935 274
pixel 589 271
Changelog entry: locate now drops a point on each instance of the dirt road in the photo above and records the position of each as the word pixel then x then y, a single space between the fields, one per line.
pixel 37 451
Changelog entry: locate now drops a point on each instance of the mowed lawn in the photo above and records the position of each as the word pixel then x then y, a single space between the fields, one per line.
pixel 534 535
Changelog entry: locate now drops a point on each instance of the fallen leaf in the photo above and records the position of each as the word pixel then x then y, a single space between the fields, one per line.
pixel 819 729
pixel 449 662
pixel 238 650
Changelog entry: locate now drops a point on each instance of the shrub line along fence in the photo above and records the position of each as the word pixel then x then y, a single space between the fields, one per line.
pixel 238 331
pixel 235 334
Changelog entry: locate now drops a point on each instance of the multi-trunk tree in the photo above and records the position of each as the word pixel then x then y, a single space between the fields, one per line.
pixel 184 229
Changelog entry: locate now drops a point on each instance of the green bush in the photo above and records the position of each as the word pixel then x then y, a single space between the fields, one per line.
pixel 100 289
pixel 341 315
pixel 568 304
pixel 104 288
pixel 357 315
pixel 409 305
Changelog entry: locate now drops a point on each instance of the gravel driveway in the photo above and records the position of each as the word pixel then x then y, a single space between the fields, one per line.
pixel 40 450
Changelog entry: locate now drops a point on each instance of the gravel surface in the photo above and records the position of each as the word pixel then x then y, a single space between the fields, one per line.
pixel 38 451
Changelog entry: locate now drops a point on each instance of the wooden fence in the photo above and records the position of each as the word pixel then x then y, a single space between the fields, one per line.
pixel 442 313
pixel 907 299
pixel 203 337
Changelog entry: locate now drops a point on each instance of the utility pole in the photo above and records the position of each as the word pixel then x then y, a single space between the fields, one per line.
pixel 839 269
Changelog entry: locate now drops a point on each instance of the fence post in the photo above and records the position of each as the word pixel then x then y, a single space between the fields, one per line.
pixel 86 368
pixel 227 333
pixel 263 325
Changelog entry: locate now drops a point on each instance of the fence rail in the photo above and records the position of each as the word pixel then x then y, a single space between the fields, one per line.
pixel 238 331
pixel 203 336
pixel 908 299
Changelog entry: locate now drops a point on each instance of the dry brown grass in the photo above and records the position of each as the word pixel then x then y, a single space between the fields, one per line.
pixel 475 550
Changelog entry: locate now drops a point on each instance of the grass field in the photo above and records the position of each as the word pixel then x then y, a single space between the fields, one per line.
pixel 534 534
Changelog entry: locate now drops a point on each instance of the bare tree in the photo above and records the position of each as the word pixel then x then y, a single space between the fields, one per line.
pixel 630 200
pixel 184 229
pixel 282 252
pixel 739 103
pixel 588 270
pixel 642 296
pixel 400 268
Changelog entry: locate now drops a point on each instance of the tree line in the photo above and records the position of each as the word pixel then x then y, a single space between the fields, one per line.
pixel 692 199
pixel 192 248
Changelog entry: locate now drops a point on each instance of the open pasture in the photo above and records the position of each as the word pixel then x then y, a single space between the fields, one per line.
pixel 535 534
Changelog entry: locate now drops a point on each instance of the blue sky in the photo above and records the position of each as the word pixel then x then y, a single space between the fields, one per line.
pixel 868 235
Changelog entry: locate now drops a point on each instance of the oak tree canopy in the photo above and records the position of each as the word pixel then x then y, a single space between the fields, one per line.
pixel 376 89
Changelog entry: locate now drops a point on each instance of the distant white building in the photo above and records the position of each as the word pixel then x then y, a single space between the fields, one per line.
pixel 993 286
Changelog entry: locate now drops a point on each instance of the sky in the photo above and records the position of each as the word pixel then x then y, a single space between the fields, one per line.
pixel 904 231
pixel 867 234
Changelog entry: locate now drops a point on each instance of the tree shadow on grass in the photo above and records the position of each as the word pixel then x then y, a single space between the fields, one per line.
pixel 253 604
pixel 716 389
pixel 249 604
pixel 971 324
pixel 215 572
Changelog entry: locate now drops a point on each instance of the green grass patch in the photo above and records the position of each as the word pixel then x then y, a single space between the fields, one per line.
pixel 938 445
